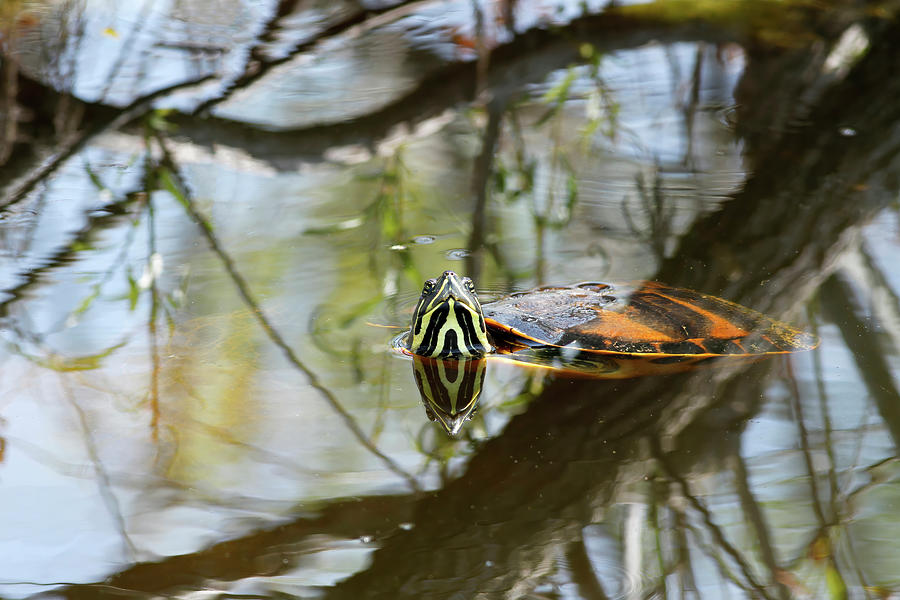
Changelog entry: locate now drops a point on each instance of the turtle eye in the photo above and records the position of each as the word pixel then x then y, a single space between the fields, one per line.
pixel 429 285
pixel 469 285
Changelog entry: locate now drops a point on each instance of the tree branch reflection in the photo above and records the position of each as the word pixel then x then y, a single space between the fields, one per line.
pixel 721 540
pixel 104 486
pixel 837 298
pixel 183 195
pixel 105 120
pixel 557 466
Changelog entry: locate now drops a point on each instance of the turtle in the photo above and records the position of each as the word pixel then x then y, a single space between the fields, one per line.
pixel 604 324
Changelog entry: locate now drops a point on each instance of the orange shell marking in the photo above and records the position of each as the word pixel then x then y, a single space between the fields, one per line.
pixel 643 318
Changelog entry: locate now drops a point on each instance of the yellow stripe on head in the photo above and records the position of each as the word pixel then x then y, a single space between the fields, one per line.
pixel 448 321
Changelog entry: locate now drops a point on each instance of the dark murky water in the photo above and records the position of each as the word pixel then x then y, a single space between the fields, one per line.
pixel 217 215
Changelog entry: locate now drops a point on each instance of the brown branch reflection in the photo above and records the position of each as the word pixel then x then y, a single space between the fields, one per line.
pixel 152 319
pixel 757 521
pixel 528 57
pixel 718 535
pixel 259 63
pixel 283 547
pixel 827 428
pixel 102 119
pixel 837 298
pixel 483 167
pixel 583 576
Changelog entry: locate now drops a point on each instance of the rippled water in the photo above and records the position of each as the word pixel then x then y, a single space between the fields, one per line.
pixel 199 394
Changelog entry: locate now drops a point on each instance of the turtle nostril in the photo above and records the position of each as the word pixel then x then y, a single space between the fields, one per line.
pixel 449 273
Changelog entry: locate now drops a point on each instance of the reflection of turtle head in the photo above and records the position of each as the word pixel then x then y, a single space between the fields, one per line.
pixel 450 389
pixel 448 321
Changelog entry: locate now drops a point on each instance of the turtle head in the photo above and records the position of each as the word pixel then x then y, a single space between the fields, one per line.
pixel 448 322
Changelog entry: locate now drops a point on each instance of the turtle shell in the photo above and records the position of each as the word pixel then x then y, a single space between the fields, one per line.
pixel 640 319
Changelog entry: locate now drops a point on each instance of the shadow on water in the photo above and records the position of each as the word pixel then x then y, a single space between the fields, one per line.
pixel 535 506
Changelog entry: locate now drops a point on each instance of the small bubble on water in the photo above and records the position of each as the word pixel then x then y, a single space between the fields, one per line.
pixel 367 539
pixel 847 131
pixel 398 247
pixel 423 239
pixel 406 526
pixel 457 254
pixel 489 563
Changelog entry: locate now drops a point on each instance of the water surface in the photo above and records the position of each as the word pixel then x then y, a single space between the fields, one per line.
pixel 198 298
